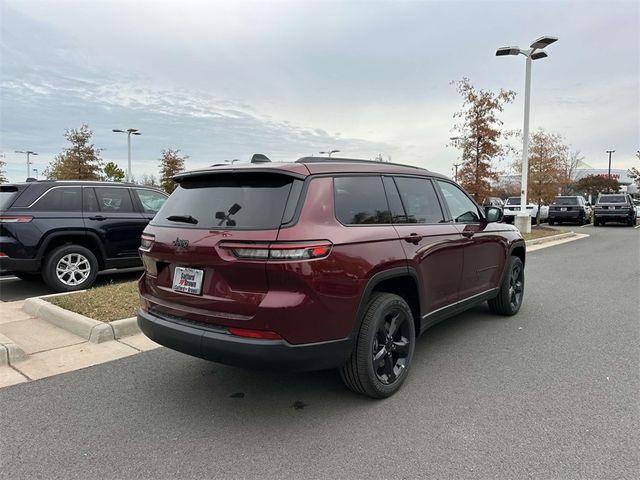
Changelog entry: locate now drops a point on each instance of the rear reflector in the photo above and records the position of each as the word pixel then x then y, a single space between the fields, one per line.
pixel 257 334
pixel 16 219
pixel 2 254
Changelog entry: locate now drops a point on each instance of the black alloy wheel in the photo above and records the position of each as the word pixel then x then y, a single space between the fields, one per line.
pixel 391 346
pixel 381 358
pixel 509 298
pixel 516 286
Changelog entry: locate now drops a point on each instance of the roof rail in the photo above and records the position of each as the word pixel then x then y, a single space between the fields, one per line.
pixel 351 160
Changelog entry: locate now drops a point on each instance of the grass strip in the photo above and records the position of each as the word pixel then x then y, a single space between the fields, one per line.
pixel 105 303
pixel 541 232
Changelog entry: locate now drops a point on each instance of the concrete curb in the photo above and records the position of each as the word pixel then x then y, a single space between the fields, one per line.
pixel 10 353
pixel 84 327
pixel 550 238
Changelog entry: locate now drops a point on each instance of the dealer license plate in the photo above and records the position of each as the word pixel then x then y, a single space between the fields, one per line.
pixel 188 280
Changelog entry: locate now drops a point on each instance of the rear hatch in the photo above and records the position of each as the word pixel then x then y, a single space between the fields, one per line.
pixel 613 202
pixel 10 222
pixel 193 269
pixel 565 204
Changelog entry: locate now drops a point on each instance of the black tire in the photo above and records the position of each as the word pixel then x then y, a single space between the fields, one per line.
pixel 381 379
pixel 596 222
pixel 509 298
pixel 82 277
pixel 27 277
pixel 551 222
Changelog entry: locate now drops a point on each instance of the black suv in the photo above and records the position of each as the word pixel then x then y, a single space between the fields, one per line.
pixel 66 231
pixel 569 209
pixel 617 207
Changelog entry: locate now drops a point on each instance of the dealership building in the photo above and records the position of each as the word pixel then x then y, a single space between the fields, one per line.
pixel 622 176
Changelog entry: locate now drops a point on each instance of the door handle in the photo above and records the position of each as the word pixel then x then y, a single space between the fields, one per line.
pixel 97 217
pixel 468 233
pixel 413 238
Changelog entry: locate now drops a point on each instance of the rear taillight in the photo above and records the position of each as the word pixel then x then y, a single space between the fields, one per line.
pixel 257 334
pixel 279 251
pixel 16 219
pixel 146 242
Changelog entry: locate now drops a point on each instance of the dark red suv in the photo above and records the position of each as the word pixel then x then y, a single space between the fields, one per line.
pixel 321 263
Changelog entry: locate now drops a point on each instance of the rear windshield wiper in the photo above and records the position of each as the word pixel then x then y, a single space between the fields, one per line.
pixel 182 218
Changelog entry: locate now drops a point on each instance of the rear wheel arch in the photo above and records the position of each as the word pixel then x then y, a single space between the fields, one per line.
pixel 401 281
pixel 85 239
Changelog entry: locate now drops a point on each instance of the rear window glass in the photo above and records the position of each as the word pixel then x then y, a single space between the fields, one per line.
pixel 361 201
pixel 612 199
pixel 242 201
pixel 419 200
pixel 513 201
pixel 7 194
pixel 114 200
pixel 565 201
pixel 60 199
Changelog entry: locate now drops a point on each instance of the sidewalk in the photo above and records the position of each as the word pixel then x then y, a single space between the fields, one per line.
pixel 45 350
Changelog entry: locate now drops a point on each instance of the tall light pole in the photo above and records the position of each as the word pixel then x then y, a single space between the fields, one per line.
pixel 28 152
pixel 534 52
pixel 328 153
pixel 455 177
pixel 610 152
pixel 129 132
pixel 36 170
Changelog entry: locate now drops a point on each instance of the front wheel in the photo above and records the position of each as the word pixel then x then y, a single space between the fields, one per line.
pixel 509 298
pixel 380 361
pixel 69 268
pixel 551 222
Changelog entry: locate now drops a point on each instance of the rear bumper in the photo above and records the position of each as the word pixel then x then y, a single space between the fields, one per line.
pixel 613 215
pixel 571 215
pixel 216 344
pixel 27 265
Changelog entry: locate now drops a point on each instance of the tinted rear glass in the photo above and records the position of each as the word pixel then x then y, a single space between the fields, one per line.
pixel 419 200
pixel 565 201
pixel 7 194
pixel 513 201
pixel 60 199
pixel 361 200
pixel 612 199
pixel 240 200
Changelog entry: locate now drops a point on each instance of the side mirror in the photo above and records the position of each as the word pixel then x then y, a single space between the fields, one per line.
pixel 493 214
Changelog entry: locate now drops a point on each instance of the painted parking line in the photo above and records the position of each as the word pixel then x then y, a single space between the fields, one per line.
pixel 587 225
pixel 637 226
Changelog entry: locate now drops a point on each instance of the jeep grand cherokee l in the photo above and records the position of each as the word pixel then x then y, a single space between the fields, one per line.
pixel 321 263
pixel 65 231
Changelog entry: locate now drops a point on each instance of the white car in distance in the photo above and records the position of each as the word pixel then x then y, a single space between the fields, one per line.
pixel 512 208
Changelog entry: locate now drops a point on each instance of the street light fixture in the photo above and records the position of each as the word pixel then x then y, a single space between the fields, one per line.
pixel 129 132
pixel 610 152
pixel 329 152
pixel 534 52
pixel 28 152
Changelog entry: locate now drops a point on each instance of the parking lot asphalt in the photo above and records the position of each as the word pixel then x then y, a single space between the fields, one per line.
pixel 550 393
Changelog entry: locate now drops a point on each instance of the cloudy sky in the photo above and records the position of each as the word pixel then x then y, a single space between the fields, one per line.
pixel 223 80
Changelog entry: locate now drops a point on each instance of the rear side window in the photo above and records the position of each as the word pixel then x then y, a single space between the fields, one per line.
pixel 7 194
pixel 420 200
pixel 462 209
pixel 361 201
pixel 60 199
pixel 238 200
pixel 114 200
pixel 565 201
pixel 151 201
